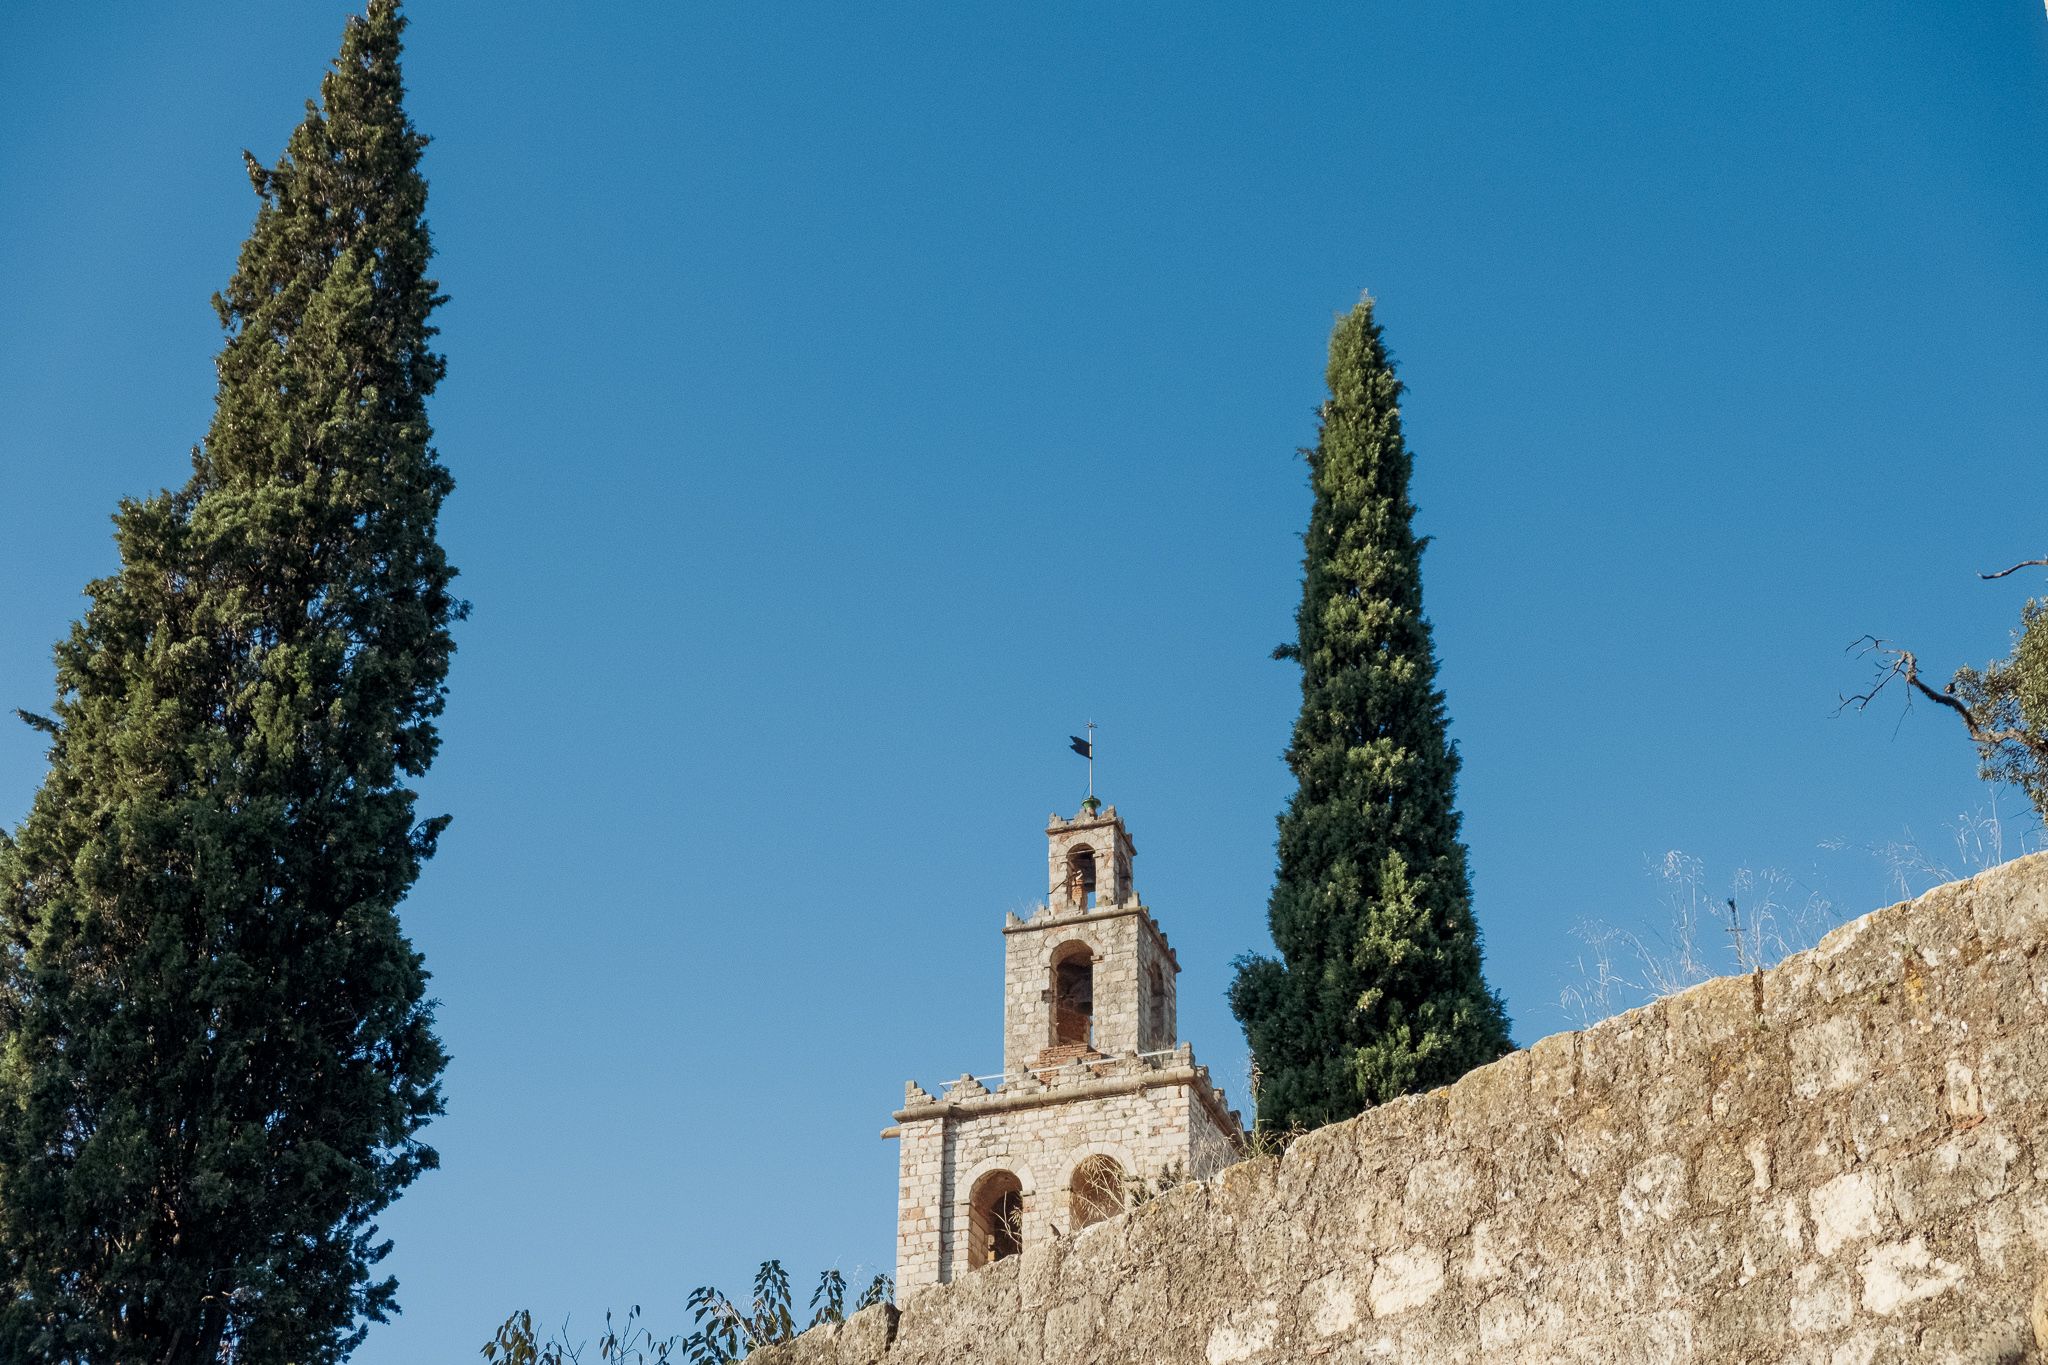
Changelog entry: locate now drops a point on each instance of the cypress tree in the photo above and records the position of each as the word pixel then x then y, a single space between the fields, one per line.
pixel 218 1052
pixel 1377 991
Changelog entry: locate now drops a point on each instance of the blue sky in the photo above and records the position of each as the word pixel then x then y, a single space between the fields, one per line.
pixel 846 406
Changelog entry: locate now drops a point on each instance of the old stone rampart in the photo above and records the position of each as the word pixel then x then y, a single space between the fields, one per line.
pixel 1841 1161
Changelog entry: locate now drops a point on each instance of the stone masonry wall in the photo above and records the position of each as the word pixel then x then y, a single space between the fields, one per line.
pixel 1149 1133
pixel 1127 944
pixel 1840 1161
pixel 1104 836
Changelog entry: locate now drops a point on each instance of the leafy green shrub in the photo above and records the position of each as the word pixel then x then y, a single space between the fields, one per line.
pixel 724 1333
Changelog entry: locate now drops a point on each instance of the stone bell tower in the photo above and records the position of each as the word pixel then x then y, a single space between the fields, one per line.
pixel 1097 1095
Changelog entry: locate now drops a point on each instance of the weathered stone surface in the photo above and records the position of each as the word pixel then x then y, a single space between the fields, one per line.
pixel 1081 1120
pixel 862 1339
pixel 2039 1314
pixel 1841 1160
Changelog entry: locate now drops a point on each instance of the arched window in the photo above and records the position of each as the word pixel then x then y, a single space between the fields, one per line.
pixel 1073 995
pixel 995 1219
pixel 1081 877
pixel 1096 1192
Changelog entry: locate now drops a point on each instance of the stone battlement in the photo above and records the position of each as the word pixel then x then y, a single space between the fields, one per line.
pixel 1081 1076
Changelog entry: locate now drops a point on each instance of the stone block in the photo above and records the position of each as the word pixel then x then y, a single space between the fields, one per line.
pixel 1601 1144
pixel 1486 1098
pixel 1900 1274
pixel 1770 1239
pixel 1715 1013
pixel 1861 959
pixel 1749 1082
pixel 2009 904
pixel 1441 1197
pixel 1697 1260
pixel 867 1335
pixel 1553 1072
pixel 1963 1170
pixel 2006 1338
pixel 2012 1072
pixel 2016 986
pixel 1624 1052
pixel 1830 1055
pixel 1889 1111
pixel 1654 1192
pixel 1508 1321
pixel 1726 1173
pixel 1844 1210
pixel 1810 1145
pixel 1823 1300
pixel 1405 1279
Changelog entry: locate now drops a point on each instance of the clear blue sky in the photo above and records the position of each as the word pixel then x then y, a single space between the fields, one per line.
pixel 845 407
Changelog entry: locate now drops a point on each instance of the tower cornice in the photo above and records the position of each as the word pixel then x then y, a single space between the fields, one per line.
pixel 1041 923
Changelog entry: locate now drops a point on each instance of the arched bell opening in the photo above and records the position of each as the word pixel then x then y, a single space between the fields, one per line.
pixel 995 1219
pixel 1096 1192
pixel 1073 995
pixel 1081 877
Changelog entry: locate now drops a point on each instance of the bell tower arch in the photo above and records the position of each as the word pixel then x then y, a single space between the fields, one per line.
pixel 1095 1082
pixel 1090 973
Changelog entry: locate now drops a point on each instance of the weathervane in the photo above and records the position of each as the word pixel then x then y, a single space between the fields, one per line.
pixel 1086 748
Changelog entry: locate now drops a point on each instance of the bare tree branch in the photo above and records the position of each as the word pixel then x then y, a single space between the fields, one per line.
pixel 1906 668
pixel 2006 573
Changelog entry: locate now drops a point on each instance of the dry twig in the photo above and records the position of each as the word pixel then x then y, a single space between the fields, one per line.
pixel 1904 666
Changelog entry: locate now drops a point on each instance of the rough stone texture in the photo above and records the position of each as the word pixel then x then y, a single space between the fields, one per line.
pixel 1101 836
pixel 1158 1119
pixel 1134 966
pixel 1134 971
pixel 1128 1092
pixel 1841 1161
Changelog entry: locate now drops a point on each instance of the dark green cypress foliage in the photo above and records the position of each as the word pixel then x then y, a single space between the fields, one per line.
pixel 1378 990
pixel 218 1050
